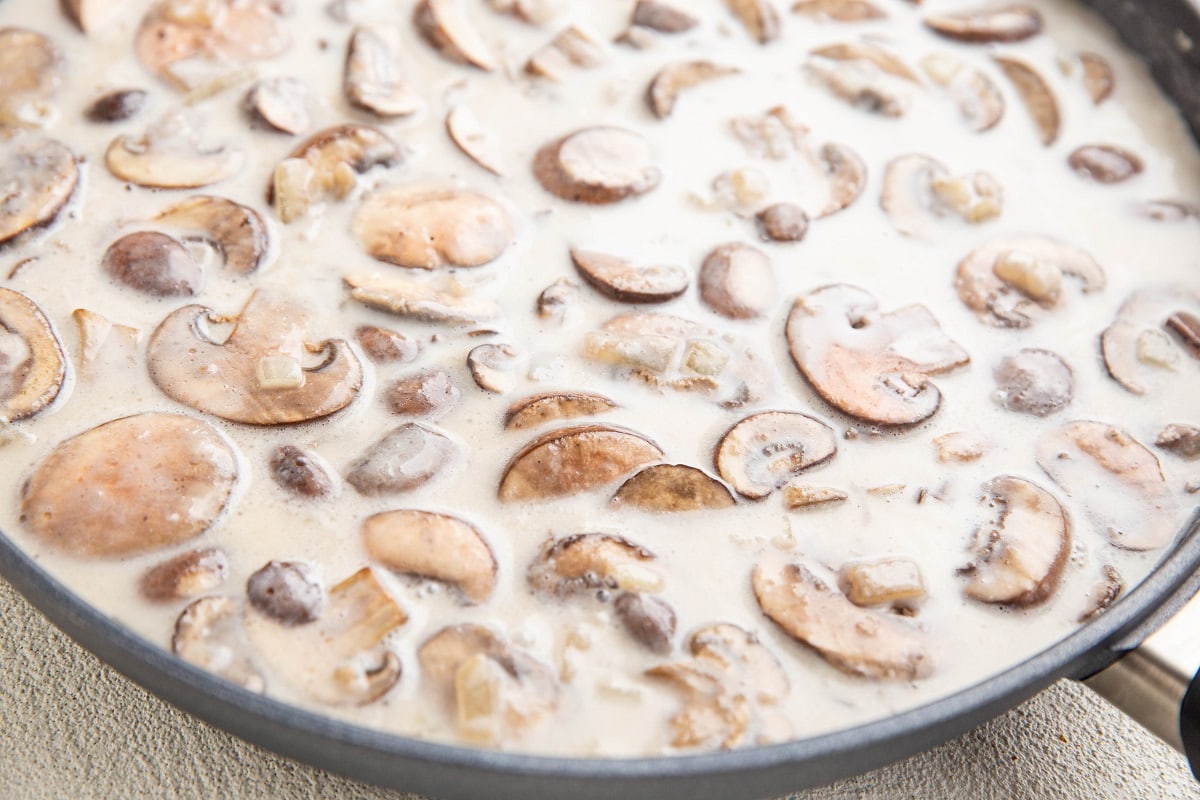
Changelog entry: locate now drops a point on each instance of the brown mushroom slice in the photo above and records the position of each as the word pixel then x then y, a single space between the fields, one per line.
pixel 433 546
pixel 556 300
pixel 670 488
pixel 236 231
pixel 1182 440
pixel 782 222
pixel 732 686
pixel 32 363
pixel 758 17
pixel 155 264
pixel 386 346
pixel 1117 481
pixel 428 393
pixel 280 104
pixel 766 450
pixel 92 15
pixel 170 155
pixel 839 10
pixel 918 190
pixel 449 30
pixel 597 165
pixel 1020 555
pixel 1136 346
pixel 299 472
pixel 38 176
pixel 532 12
pixel 846 175
pixel 444 302
pixel 884 60
pixel 407 457
pixel 979 100
pixel 674 78
pixel 865 76
pixel 530 412
pixel 648 619
pixel 568 461
pixel 864 642
pixel 373 78
pixel 1012 23
pixel 571 47
pixel 774 134
pixel 1004 280
pixel 620 280
pixel 187 575
pixel 116 106
pixel 1036 94
pixel 895 582
pixel 209 634
pixel 257 375
pixel 588 561
pixel 130 486
pixel 469 135
pixel 286 591
pixel 494 367
pixel 1105 163
pixel 662 17
pixel 802 496
pixel 737 282
pixel 1034 381
pixel 430 227
pixel 1098 77
pixel 326 165
pixel 1107 591
pixel 872 366
pixel 30 74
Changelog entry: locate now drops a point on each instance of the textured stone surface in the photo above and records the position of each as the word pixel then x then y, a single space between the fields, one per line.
pixel 72 728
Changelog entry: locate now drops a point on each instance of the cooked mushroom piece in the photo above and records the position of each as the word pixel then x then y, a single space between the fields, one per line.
pixel 1117 481
pixel 430 393
pixel 846 175
pixel 495 367
pixel 597 165
pixel 839 10
pixel 774 134
pixel 555 301
pixel 568 461
pixel 449 30
pixel 1107 591
pixel 405 458
pixel 1098 77
pixel 433 546
pixel 674 78
pixel 530 412
pixel 918 191
pixel 325 165
pixel 758 17
pixel 374 79
pixel 209 634
pixel 732 686
pixel 30 74
pixel 617 278
pixel 444 302
pixel 430 227
pixel 1182 440
pixel 92 15
pixel 865 642
pixel 259 374
pixel 1036 94
pixel 671 488
pixel 299 472
pixel 187 575
pixel 802 496
pixel 1033 381
pixel 386 346
pixel 649 620
pixel 1007 279
pixel 96 332
pixel 237 232
pixel 129 486
pixel 1105 163
pixel 662 17
pixel 873 366
pixel 894 582
pixel 1013 23
pixel 287 592
pixel 782 222
pixel 170 155
pixel 32 363
pixel 154 264
pixel 469 135
pixel 766 450
pixel 1138 351
pixel 1019 556
pixel 279 104
pixel 571 47
pixel 737 282
pixel 865 76
pixel 38 177
pixel 116 106
pixel 979 101
pixel 586 562
pixel 532 12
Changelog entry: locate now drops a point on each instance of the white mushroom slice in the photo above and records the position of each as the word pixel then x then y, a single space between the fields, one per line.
pixel 1019 556
pixel 1034 381
pixel 732 686
pixel 798 496
pixel 32 364
pixel 1013 23
pixel 1144 318
pixel 93 15
pixel 374 79
pixel 209 634
pixel 758 17
pixel 1005 280
pixel 430 227
pixel 30 74
pixel 469 135
pixel 236 231
pixel 1035 93
pixel 671 488
pixel 672 79
pixel 449 30
pixel 280 104
pixel 534 12
pixel 573 460
pixel 1105 163
pixel 978 98
pixel 495 367
pixel 839 10
pixel 406 458
pixel 37 178
pixel 1106 592
pixel 918 190
pixel 187 575
pixel 597 165
pixel 444 301
pixel 620 280
pixel 662 17
pixel 129 486
pixel 1098 77
pixel 782 222
pixel 886 61
pixel 774 134
pixel 961 446
pixel 846 174
pixel 1182 440
pixel 766 450
pixel 433 546
pixel 872 644
pixel 222 378
pixel 896 582
pixel 589 561
pixel 737 282
pixel 864 75
pixel 1116 480
pixel 572 47
pixel 169 155
pixel 539 409
pixel 872 366
pixel 325 165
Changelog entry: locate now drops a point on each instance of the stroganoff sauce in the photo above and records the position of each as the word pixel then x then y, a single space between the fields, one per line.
pixel 595 655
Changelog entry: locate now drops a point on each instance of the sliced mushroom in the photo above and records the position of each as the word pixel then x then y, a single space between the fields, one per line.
pixel 649 620
pixel 737 282
pixel 872 366
pixel 894 582
pixel 428 393
pixel 1034 381
pixel 798 496
pixel 846 175
pixel 732 686
pixel 662 17
pixel 37 178
pixel 674 78
pixel 32 363
pixel 1116 480
pixel 774 134
pixel 449 30
pixel 533 12
pixel 1013 23
pixel 961 446
pixel 257 375
pixel 839 10
pixel 1006 279
pixel 555 301
pixel 494 367
pixel 299 472
pixel 155 264
pixel 585 562
pixel 782 222
pixel 670 488
pixel 92 15
pixel 287 592
pixel 430 227
pixel 619 279
pixel 1098 77
pixel 326 165
pixel 469 135
pixel 1020 555
pixel 1182 440
pixel 1035 93
pixel 539 409
pixel 209 634
pixel 919 190
pixel 1105 594
pixel 170 155
pixel 374 79
pixel 758 17
pixel 568 461
pixel 766 450
pixel 30 74
pixel 872 644
pixel 432 546
pixel 1136 346
pixel 187 575
pixel 1186 327
pixel 235 231
pixel 979 100
pixel 386 346
pixel 279 104
pixel 443 301
pixel 571 47
pixel 116 106
pixel 884 60
pixel 597 165
pixel 1105 163
pixel 406 458
pixel 95 331
pixel 864 75
pixel 132 485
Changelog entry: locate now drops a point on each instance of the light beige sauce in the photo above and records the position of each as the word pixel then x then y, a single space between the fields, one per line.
pixel 609 707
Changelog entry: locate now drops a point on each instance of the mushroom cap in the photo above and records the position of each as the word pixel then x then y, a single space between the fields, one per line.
pixel 620 280
pixel 373 78
pixel 672 79
pixel 223 378
pixel 435 546
pixel 1036 95
pixel 39 176
pixel 1013 23
pixel 597 165
pixel 171 159
pixel 32 384
pixel 131 485
pixel 237 231
pixel 539 409
pixel 1145 309
pixel 584 561
pixel 405 458
pixel 448 29
pixel 572 460
pixel 766 450
pixel 673 487
pixel 872 366
pixel 209 634
pixel 30 73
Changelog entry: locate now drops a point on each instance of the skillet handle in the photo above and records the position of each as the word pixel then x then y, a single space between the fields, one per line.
pixel 1189 725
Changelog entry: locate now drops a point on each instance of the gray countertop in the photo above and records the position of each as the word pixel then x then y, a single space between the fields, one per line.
pixel 70 727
